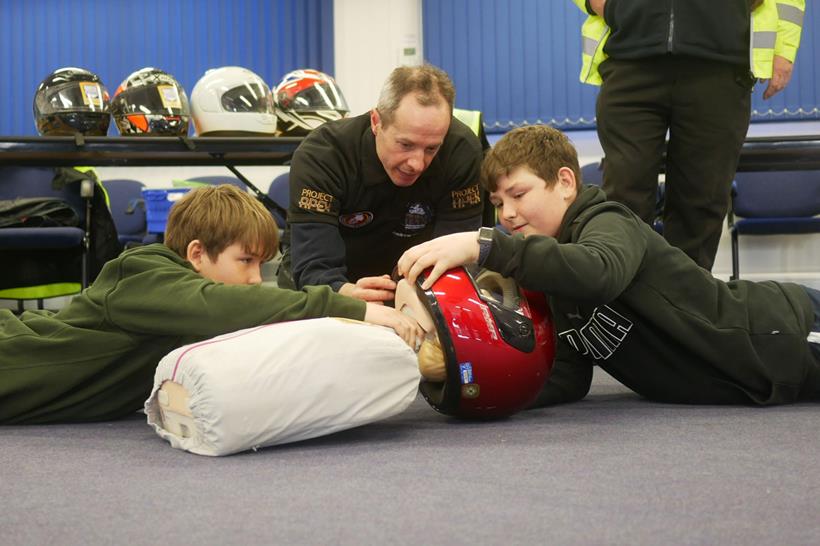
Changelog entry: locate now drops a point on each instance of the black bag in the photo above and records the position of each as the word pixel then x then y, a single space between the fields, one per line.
pixel 105 244
pixel 37 212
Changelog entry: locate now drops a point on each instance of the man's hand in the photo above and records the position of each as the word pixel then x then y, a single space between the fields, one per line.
pixel 404 325
pixel 371 289
pixel 442 253
pixel 597 6
pixel 781 75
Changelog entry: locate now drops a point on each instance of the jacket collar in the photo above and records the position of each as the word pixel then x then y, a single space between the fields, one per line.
pixel 587 196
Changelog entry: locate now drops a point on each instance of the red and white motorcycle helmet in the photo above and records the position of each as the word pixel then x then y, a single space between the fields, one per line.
pixel 305 99
pixel 490 345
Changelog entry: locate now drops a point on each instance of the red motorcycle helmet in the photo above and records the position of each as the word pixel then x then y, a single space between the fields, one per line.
pixel 497 342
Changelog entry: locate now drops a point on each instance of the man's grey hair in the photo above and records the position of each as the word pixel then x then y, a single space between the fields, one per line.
pixel 431 83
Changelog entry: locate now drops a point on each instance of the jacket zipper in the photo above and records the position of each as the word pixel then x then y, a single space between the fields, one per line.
pixel 669 36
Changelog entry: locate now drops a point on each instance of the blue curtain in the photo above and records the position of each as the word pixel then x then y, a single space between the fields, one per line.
pixel 518 62
pixel 183 37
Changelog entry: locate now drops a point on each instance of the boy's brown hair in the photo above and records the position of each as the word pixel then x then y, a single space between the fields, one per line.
pixel 540 148
pixel 220 216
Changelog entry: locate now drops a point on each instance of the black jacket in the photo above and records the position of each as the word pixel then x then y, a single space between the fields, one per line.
pixel 626 300
pixel 347 220
pixel 717 30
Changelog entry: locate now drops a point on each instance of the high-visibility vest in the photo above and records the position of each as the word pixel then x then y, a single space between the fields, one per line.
pixel 473 120
pixel 470 118
pixel 776 29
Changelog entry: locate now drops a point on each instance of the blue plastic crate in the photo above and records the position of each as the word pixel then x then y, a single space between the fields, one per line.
pixel 157 205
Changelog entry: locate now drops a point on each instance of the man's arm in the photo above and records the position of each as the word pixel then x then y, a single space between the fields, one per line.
pixel 789 28
pixel 317 174
pixel 317 255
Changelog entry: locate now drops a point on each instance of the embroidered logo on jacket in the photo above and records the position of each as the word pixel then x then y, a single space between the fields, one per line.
pixel 315 200
pixel 601 336
pixel 416 218
pixel 466 197
pixel 356 219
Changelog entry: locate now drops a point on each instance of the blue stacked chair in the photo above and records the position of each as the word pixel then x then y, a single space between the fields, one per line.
pixel 773 203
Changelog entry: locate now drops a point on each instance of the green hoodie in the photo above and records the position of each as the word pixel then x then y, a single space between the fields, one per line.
pixel 624 299
pixel 95 358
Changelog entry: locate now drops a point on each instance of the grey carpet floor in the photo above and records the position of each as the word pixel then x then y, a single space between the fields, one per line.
pixel 612 469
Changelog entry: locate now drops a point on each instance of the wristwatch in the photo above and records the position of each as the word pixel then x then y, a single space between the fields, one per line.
pixel 485 243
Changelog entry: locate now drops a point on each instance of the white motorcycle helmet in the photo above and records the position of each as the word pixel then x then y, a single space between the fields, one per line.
pixel 232 101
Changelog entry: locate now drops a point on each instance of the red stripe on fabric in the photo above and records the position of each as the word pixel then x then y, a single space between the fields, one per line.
pixel 209 342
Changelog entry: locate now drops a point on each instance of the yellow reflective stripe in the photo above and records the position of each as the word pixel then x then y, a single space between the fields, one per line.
pixel 791 14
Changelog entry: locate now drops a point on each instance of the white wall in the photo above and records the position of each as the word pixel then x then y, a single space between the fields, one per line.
pixel 371 39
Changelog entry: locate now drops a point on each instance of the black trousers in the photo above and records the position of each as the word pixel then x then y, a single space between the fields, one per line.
pixel 705 107
pixel 814 340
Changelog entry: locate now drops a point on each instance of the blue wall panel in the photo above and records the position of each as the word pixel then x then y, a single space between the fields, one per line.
pixel 183 37
pixel 518 62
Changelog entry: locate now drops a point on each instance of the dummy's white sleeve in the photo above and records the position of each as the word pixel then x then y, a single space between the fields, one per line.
pixel 286 382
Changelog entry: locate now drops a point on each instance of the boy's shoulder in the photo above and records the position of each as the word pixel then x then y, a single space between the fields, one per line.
pixel 592 203
pixel 148 257
pixel 153 249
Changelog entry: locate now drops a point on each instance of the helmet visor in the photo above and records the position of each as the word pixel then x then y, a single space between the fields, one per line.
pixel 74 96
pixel 248 97
pixel 162 99
pixel 317 96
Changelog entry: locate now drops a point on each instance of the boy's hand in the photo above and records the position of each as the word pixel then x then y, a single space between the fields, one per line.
pixel 372 289
pixel 442 253
pixel 405 326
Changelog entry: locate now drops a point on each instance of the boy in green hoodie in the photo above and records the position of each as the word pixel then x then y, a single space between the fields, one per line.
pixel 95 358
pixel 622 297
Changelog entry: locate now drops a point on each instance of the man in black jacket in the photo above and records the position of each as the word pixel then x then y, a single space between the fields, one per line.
pixel 364 189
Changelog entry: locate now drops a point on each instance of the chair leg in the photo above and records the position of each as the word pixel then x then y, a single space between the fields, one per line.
pixel 735 258
pixel 20 307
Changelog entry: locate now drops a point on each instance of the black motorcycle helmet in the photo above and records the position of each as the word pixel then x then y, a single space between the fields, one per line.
pixel 71 100
pixel 151 102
